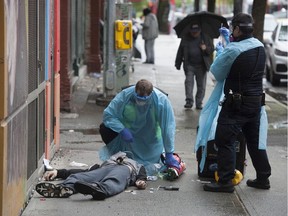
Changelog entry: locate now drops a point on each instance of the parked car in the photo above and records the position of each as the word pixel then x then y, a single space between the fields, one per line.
pixel 277 54
pixel 281 14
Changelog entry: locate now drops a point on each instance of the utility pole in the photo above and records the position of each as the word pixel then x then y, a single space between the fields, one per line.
pixel 123 56
pixel 116 64
pixel 109 50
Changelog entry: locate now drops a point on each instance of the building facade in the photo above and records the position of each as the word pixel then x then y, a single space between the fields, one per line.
pixel 45 47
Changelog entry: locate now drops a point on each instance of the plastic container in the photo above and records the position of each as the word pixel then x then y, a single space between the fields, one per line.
pixel 152 178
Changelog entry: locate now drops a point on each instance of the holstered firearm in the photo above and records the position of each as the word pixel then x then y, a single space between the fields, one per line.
pixel 234 101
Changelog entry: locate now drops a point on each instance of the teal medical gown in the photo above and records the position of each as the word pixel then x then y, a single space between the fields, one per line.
pixel 152 126
pixel 209 114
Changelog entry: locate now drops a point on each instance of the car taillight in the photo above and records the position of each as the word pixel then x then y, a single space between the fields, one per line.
pixel 280 53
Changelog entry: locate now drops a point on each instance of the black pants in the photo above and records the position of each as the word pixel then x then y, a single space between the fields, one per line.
pixel 107 134
pixel 230 124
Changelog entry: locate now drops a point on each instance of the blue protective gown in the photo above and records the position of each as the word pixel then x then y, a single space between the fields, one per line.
pixel 152 126
pixel 209 114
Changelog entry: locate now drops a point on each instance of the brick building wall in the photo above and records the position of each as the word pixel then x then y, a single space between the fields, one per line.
pixel 94 59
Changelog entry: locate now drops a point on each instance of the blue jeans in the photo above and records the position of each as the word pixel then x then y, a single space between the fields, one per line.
pixel 111 179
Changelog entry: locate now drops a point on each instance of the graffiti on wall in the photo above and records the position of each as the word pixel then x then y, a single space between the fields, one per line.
pixel 122 63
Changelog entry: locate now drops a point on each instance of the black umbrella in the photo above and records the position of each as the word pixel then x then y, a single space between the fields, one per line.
pixel 209 22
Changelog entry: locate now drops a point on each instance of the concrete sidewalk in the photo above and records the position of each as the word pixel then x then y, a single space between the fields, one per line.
pixel 80 142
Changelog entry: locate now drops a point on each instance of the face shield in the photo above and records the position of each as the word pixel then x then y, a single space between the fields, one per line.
pixel 142 100
pixel 231 29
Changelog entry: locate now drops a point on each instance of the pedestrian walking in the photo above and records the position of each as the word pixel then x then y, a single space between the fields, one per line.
pixel 140 119
pixel 239 70
pixel 109 179
pixel 195 52
pixel 150 32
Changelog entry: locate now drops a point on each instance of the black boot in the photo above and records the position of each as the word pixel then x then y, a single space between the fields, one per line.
pixel 92 189
pixel 260 184
pixel 50 190
pixel 219 187
pixel 188 104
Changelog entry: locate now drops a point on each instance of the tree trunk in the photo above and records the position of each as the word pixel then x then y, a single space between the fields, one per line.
pixel 196 5
pixel 237 7
pixel 258 13
pixel 211 6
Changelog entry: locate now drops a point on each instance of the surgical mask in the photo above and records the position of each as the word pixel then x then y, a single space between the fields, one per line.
pixel 140 102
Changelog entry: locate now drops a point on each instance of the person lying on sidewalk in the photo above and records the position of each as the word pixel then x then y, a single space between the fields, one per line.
pixel 112 177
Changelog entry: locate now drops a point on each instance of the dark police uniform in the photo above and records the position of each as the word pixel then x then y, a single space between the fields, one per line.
pixel 241 112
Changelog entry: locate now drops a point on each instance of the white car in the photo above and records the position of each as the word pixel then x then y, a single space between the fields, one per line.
pixel 277 54
pixel 270 22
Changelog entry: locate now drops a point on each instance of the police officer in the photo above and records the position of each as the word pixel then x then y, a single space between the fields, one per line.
pixel 244 61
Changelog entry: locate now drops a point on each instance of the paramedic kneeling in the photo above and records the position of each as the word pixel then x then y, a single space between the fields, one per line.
pixel 140 120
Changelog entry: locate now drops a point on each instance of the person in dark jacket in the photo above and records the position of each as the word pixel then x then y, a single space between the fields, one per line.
pixel 195 51
pixel 101 181
pixel 243 107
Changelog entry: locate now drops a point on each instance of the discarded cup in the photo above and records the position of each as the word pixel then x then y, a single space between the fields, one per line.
pixel 73 163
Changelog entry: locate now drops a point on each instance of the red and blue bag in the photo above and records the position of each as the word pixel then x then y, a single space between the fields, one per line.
pixel 170 172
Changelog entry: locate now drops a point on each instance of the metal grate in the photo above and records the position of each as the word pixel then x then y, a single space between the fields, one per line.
pixel 41 42
pixel 32 138
pixel 32 46
pixel 17 148
pixel 18 71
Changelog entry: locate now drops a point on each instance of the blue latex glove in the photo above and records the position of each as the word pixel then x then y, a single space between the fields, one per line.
pixel 219 48
pixel 171 161
pixel 126 135
pixel 225 33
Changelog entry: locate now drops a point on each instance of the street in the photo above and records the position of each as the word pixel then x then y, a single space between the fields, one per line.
pixel 277 92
